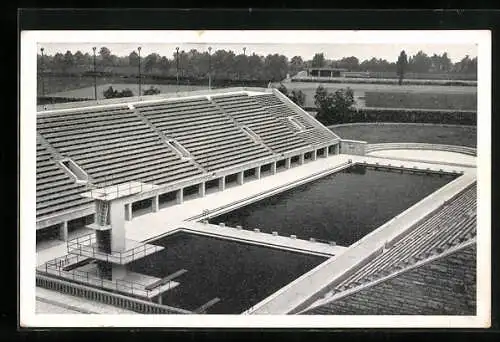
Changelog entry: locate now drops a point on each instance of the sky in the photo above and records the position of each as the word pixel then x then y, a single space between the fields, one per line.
pixel 389 52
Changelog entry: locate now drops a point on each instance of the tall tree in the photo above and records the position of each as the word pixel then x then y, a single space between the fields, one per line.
pixel 296 65
pixel 318 60
pixel 333 108
pixel 401 64
pixel 151 61
pixel 133 59
pixel 105 54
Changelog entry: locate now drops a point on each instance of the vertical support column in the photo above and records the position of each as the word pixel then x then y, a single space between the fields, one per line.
pixel 326 151
pixel 337 149
pixel 201 189
pixel 257 172
pixel 273 168
pixel 63 231
pixel 156 204
pixel 222 183
pixel 179 196
pixel 128 211
pixel 301 159
pixel 314 155
pixel 241 177
pixel 288 163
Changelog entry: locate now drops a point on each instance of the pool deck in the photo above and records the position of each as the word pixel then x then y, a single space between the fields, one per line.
pixel 264 239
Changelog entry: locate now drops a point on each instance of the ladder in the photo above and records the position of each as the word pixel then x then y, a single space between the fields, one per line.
pixel 103 213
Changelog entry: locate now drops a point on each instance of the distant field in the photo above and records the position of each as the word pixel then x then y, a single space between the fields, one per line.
pixel 433 134
pixel 88 92
pixel 360 89
pixel 466 101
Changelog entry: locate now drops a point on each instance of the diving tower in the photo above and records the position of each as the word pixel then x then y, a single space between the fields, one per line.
pixel 107 245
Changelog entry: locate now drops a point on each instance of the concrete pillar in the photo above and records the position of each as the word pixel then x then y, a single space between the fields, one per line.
pixel 273 168
pixel 159 299
pixel 288 163
pixel 222 183
pixel 326 151
pixel 301 159
pixel 63 231
pixel 179 196
pixel 257 172
pixel 314 155
pixel 155 203
pixel 241 177
pixel 128 211
pixel 201 189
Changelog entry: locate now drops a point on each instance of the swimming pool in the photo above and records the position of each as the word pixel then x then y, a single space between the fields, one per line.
pixel 239 274
pixel 341 207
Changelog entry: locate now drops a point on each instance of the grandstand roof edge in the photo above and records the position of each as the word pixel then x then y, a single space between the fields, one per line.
pixel 124 102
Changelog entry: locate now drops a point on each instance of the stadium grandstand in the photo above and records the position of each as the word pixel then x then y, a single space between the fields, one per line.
pixel 113 177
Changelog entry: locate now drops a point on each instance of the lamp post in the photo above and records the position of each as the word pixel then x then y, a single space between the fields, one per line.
pixel 177 70
pixel 95 77
pixel 209 68
pixel 139 49
pixel 41 73
pixel 244 55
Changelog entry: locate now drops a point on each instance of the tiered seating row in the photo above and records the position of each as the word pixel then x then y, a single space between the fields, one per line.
pixel 250 113
pixel 267 99
pixel 280 111
pixel 56 191
pixel 446 286
pixel 314 136
pixel 114 147
pixel 210 136
pixel 452 225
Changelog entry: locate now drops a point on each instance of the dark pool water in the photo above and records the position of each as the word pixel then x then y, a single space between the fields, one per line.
pixel 342 207
pixel 240 274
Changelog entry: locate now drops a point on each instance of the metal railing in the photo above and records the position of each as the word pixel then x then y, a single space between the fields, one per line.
pixel 120 189
pixel 114 299
pixel 56 267
pixel 86 246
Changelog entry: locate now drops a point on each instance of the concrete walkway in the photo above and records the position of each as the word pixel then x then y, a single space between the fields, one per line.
pixel 264 239
pixel 427 155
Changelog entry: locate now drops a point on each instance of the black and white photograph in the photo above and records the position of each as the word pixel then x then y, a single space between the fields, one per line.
pixel 255 178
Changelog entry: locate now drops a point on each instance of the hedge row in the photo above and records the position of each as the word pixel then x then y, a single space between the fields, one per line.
pixel 43 100
pixel 386 81
pixel 408 116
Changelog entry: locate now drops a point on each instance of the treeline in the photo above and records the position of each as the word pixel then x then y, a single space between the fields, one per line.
pixel 224 64
pixel 418 63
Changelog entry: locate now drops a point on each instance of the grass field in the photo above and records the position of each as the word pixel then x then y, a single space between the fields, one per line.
pixel 360 89
pixel 433 134
pixel 379 99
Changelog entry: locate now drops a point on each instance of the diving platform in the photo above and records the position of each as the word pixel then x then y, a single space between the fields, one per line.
pixel 113 192
pixel 87 246
pixel 87 273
